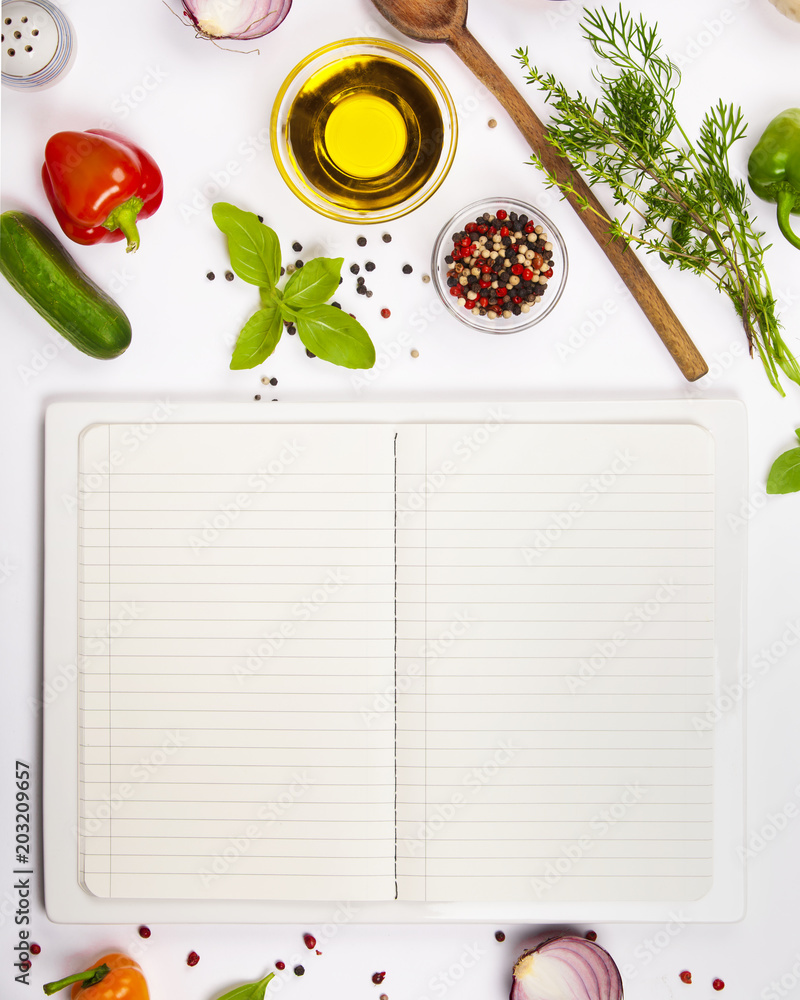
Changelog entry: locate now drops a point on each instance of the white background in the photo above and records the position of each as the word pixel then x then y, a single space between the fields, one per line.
pixel 204 110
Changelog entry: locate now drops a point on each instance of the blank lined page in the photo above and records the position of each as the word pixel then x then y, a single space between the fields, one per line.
pixel 237 618
pixel 560 754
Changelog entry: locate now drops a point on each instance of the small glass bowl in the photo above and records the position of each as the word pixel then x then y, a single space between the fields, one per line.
pixel 287 161
pixel 512 324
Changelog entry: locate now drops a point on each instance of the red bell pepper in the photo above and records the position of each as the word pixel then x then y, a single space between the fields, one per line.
pixel 99 184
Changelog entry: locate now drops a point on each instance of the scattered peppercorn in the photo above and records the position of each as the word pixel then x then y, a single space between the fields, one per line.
pixel 229 275
pixel 211 275
pixel 407 269
pixel 383 996
pixel 492 123
pixel 336 305
pixel 280 966
pixel 283 271
pixel 297 247
pixel 386 313
pixel 378 978
pixel 415 353
pixel 360 281
pixel 273 381
pixel 426 279
pixel 35 949
pixel 192 958
pixel 362 241
pixel 718 984
pixel 299 970
pixel 310 941
pixel 265 379
pixel 354 268
pixel 290 269
pixel 260 218
pixel 369 266
pixel 591 935
pixel 499 936
pixel 298 264
pixel 256 397
pixel 368 293
pixel 309 354
pixel 144 932
pixel 361 290
pixel 387 238
pixel 291 329
pixel 685 976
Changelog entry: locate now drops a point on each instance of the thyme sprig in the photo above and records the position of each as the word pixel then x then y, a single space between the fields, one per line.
pixel 681 197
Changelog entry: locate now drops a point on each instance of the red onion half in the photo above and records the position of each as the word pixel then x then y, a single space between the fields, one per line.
pixel 236 18
pixel 566 968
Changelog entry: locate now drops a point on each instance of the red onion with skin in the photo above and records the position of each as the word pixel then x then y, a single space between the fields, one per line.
pixel 236 18
pixel 566 968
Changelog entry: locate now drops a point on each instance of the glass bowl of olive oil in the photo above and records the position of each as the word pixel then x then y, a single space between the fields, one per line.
pixel 363 130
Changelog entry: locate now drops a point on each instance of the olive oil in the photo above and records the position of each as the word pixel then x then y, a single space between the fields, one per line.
pixel 365 132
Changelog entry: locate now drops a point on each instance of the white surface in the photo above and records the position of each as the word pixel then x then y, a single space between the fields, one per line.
pixel 723 429
pixel 203 113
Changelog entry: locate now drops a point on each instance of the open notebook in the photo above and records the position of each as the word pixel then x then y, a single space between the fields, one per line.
pixel 397 659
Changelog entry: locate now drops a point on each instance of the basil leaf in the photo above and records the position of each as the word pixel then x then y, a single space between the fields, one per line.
pixel 313 284
pixel 784 476
pixel 254 248
pixel 258 338
pixel 335 336
pixel 251 991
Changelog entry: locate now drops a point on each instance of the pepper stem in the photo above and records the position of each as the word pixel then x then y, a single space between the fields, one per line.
pixel 124 217
pixel 90 977
pixel 786 202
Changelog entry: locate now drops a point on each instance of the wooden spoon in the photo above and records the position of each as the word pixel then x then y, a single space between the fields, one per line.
pixel 446 21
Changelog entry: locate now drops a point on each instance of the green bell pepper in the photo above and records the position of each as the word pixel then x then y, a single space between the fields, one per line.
pixel 774 168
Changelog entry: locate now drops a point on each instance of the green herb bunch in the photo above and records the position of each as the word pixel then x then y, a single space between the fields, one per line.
pixel 682 200
pixel 326 331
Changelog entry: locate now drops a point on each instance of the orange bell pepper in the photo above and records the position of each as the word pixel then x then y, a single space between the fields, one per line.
pixel 112 977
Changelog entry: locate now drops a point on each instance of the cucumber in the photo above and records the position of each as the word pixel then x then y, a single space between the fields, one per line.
pixel 42 271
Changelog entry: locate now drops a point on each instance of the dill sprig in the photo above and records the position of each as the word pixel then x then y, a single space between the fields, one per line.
pixel 682 200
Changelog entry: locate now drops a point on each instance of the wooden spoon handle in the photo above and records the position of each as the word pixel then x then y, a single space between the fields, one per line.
pixel 630 268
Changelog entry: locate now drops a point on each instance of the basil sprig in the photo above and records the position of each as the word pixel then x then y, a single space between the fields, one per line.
pixel 326 331
pixel 784 476
pixel 251 991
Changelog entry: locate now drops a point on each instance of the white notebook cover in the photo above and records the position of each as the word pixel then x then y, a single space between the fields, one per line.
pixel 446 661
